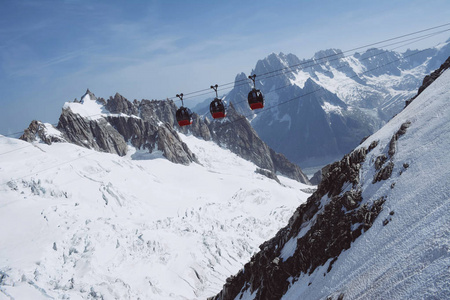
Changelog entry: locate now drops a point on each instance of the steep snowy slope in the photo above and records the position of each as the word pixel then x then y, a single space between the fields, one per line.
pixel 409 257
pixel 81 224
pixel 378 226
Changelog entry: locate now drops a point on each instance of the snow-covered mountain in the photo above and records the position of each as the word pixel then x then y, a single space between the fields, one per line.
pixel 118 202
pixel 319 109
pixel 378 225
pixel 82 224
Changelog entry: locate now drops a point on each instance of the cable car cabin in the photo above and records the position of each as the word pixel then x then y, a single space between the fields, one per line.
pixel 217 109
pixel 255 99
pixel 184 116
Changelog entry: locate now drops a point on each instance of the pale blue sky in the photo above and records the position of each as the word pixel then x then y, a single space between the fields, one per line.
pixel 51 51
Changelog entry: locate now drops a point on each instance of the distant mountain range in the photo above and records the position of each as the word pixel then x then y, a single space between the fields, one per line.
pixel 319 109
pixel 378 225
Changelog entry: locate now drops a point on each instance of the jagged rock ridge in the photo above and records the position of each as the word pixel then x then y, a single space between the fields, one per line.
pixel 333 224
pixel 151 125
pixel 322 107
pixel 350 197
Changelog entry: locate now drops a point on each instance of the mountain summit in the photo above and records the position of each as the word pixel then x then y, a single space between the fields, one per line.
pixel 119 202
pixel 114 125
pixel 378 224
pixel 370 87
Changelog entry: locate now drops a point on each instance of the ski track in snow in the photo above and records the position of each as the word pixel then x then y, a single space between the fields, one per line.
pixel 81 224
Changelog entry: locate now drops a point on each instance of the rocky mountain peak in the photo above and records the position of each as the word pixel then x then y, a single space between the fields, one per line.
pixel 88 96
pixel 274 62
pixel 328 54
pixel 354 191
pixel 38 131
pixel 114 125
pixel 239 79
pixel 119 104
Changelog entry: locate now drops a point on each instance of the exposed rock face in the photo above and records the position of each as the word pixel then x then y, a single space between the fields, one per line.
pixel 236 134
pixel 317 178
pixel 332 218
pixel 90 94
pixel 95 134
pixel 120 104
pixel 151 125
pixel 285 167
pixel 173 147
pixel 319 231
pixel 429 79
pixel 158 111
pixel 322 228
pixel 385 169
pixel 37 130
pixel 145 125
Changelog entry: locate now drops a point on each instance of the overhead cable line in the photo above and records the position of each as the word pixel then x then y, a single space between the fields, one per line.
pixel 410 41
pixel 238 119
pixel 316 90
pixel 328 56
pixel 316 62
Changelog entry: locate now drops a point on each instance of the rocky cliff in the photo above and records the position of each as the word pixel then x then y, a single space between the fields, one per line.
pixel 112 125
pixel 429 79
pixel 319 109
pixel 333 217
pixel 351 195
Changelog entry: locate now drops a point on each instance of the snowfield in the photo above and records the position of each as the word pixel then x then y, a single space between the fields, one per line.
pixel 80 224
pixel 406 253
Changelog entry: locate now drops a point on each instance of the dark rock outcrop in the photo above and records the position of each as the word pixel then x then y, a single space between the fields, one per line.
pixel 236 134
pixel 151 125
pixel 37 130
pixel 96 134
pixel 327 224
pixel 317 177
pixel 385 169
pixel 429 79
pixel 320 230
pixel 173 147
pixel 90 94
pixel 119 104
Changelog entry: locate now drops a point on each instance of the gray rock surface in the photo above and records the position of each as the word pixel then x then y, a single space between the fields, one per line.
pixel 91 95
pixel 334 225
pixel 151 125
pixel 97 134
pixel 236 134
pixel 37 130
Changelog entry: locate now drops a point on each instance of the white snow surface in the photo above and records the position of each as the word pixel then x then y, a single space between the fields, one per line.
pixel 387 88
pixel 408 258
pixel 91 109
pixel 80 224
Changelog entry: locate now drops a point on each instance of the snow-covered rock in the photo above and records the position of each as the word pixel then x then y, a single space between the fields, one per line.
pixel 82 224
pixel 319 109
pixel 378 225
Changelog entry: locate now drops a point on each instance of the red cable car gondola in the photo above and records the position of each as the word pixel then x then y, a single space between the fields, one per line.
pixel 255 97
pixel 217 107
pixel 183 114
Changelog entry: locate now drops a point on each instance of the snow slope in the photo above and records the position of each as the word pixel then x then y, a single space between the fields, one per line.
pixel 409 257
pixel 79 224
